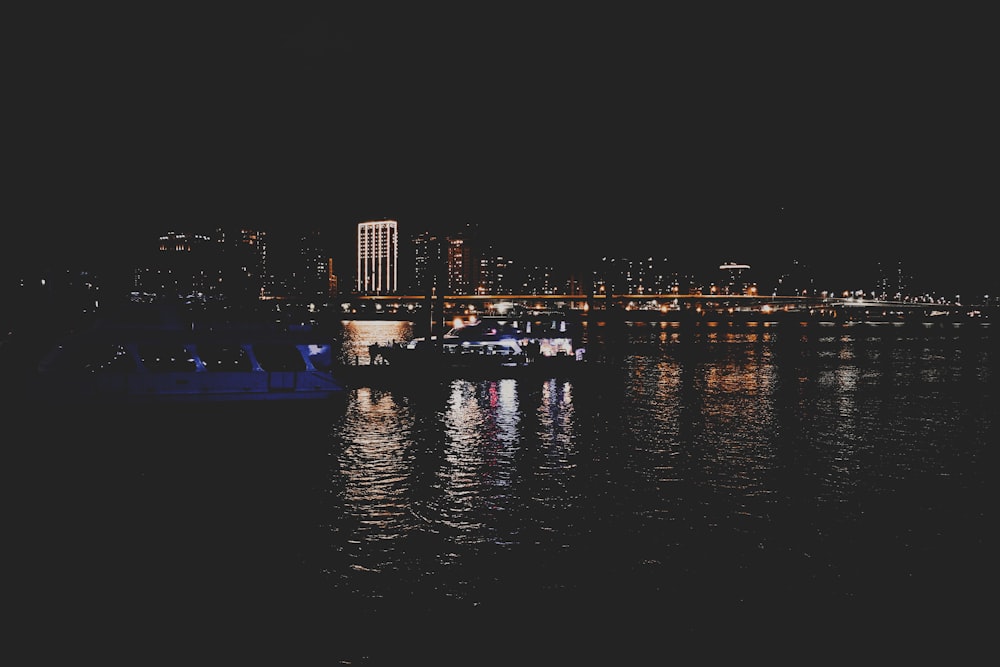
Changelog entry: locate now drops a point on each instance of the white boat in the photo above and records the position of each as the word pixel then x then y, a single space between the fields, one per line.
pixel 488 343
pixel 173 363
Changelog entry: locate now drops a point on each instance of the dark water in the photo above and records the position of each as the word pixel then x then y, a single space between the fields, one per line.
pixel 790 496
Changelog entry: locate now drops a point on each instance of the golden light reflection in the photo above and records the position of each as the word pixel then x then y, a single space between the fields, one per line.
pixel 359 334
pixel 375 474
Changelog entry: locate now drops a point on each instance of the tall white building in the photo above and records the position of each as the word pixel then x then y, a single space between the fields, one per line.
pixel 378 257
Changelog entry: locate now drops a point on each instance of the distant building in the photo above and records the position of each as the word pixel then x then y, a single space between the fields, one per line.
pixel 448 262
pixel 315 279
pixel 427 254
pixel 623 275
pixel 459 266
pixel 185 266
pixel 199 267
pixel 538 279
pixel 377 257
pixel 734 279
pixel 795 278
pixel 492 273
pixel 333 289
pixel 250 265
pixel 893 281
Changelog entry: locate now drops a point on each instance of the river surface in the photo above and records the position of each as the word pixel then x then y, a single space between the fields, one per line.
pixel 791 495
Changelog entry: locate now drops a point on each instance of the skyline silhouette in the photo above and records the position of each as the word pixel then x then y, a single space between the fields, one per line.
pixel 114 266
pixel 708 136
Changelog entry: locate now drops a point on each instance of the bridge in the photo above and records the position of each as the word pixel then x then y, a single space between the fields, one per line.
pixel 656 306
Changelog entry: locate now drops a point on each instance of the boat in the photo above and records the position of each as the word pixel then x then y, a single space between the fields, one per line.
pixel 488 346
pixel 171 363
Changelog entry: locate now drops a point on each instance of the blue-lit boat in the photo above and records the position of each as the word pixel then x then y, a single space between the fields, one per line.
pixel 176 363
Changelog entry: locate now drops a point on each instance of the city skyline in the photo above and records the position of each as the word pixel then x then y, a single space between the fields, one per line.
pixel 292 258
pixel 712 136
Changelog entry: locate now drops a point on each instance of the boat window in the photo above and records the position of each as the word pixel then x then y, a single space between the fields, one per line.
pixel 166 358
pixel 224 357
pixel 279 357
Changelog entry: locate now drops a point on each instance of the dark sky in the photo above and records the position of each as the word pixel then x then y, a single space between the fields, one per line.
pixel 830 133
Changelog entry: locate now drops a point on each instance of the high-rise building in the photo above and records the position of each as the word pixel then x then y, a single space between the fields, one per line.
pixel 378 257
pixel 250 247
pixel 185 266
pixel 313 268
pixel 733 281
pixel 444 263
pixel 427 260
pixel 459 266
pixel 491 275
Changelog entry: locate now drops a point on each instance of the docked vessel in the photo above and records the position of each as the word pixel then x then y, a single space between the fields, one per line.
pixel 488 346
pixel 165 363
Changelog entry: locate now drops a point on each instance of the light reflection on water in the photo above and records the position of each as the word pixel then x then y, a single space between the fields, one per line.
pixel 357 335
pixel 374 466
pixel 716 465
pixel 724 484
pixel 478 437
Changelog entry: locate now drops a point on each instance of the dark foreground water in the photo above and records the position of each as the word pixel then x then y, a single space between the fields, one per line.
pixel 791 497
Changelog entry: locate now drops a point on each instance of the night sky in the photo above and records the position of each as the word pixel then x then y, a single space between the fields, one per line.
pixel 826 134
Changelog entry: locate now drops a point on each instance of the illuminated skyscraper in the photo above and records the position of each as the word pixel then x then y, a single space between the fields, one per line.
pixel 733 281
pixel 426 256
pixel 378 257
pixel 459 266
